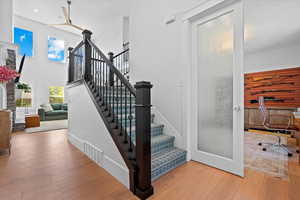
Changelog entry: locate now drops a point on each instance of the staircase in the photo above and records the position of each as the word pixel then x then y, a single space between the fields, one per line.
pixel 164 155
pixel 126 112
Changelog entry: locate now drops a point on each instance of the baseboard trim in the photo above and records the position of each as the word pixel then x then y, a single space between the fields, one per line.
pixel 101 159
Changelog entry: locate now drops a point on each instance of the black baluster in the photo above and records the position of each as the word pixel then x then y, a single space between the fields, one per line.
pixel 130 123
pixel 99 76
pixel 118 107
pixel 106 84
pixel 93 67
pixel 121 104
pixel 126 122
pixel 103 77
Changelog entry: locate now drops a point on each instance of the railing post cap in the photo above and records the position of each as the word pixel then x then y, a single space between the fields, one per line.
pixel 70 48
pixel 110 53
pixel 143 84
pixel 87 32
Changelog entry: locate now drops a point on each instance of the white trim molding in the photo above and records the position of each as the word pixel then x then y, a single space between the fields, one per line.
pixel 204 7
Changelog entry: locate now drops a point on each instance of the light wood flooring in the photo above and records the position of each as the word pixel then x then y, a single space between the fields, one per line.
pixel 44 166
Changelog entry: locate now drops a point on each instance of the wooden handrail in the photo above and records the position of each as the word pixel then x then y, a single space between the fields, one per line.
pixel 121 53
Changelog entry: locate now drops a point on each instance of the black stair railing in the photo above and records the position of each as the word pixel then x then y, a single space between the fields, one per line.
pixel 125 110
pixel 121 62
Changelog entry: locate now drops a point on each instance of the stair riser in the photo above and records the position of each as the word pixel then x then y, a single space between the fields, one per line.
pixel 126 122
pixel 162 146
pixel 156 131
pixel 111 90
pixel 120 100
pixel 124 109
pixel 156 173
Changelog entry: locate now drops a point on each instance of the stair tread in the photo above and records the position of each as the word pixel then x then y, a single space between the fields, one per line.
pixel 164 157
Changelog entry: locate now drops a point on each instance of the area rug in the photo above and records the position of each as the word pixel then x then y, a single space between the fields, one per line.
pixel 273 161
pixel 49 126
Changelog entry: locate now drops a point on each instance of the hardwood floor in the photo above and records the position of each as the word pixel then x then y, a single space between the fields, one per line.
pixel 44 166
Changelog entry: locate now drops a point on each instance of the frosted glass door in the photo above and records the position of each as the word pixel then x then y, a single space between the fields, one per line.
pixel 215 86
pixel 218 51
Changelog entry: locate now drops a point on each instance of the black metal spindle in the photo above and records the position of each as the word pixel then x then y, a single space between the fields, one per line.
pixel 126 124
pixel 130 123
pixel 122 64
pixel 102 74
pixel 106 83
pixel 93 67
pixel 99 77
pixel 121 104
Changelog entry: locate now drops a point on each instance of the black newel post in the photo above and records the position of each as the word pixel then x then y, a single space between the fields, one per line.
pixel 71 66
pixel 87 54
pixel 111 74
pixel 144 188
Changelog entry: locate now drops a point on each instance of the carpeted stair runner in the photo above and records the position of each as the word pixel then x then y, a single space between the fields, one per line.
pixel 165 156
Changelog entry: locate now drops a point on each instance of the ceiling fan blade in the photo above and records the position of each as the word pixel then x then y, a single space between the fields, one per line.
pixel 66 14
pixel 82 29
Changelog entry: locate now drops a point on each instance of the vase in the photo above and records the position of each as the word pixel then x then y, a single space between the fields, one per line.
pixel 3 98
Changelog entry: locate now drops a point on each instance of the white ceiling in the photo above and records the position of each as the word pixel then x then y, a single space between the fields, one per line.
pixel 269 23
pixel 89 14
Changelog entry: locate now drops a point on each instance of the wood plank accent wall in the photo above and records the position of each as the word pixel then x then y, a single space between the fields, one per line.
pixel 281 88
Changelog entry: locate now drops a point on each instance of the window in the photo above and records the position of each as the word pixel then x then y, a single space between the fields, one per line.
pixel 56 95
pixel 23 95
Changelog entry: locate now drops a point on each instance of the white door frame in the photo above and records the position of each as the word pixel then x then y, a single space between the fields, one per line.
pixel 208 8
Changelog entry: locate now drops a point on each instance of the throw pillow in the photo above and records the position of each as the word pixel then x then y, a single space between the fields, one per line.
pixel 47 107
pixel 56 106
pixel 65 106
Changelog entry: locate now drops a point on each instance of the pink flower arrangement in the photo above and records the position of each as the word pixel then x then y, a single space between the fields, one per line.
pixel 7 74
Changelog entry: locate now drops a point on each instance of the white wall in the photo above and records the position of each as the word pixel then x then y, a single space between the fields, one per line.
pixel 38 71
pixel 87 126
pixel 278 57
pixel 6 20
pixel 156 56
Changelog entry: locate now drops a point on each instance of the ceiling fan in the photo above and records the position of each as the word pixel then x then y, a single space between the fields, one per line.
pixel 67 15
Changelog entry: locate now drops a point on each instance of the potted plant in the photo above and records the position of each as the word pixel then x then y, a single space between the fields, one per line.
pixel 6 75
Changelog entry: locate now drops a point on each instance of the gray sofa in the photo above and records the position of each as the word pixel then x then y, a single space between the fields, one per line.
pixel 59 112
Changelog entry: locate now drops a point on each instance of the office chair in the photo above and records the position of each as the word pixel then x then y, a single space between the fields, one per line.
pixel 268 126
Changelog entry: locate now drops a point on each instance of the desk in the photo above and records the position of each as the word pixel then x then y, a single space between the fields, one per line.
pixel 297 124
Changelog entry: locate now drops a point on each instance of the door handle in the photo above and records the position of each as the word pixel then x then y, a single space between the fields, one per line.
pixel 237 108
